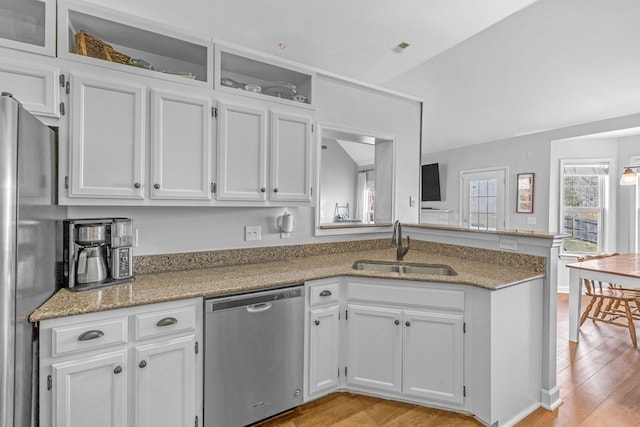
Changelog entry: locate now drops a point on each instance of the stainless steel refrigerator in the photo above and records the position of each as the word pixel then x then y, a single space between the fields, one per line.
pixel 28 253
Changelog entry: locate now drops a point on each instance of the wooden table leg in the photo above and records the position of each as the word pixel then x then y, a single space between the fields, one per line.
pixel 575 300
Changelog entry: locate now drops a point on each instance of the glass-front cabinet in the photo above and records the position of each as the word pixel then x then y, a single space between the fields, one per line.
pixel 28 25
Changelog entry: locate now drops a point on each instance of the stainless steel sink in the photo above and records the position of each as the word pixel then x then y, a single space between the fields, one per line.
pixel 404 268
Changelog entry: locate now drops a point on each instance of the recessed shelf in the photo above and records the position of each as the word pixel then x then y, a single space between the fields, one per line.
pixel 259 78
pixel 172 55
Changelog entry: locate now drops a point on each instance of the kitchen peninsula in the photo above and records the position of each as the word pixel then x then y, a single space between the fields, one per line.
pixel 506 295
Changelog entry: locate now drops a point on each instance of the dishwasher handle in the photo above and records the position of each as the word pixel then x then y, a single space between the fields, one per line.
pixel 258 308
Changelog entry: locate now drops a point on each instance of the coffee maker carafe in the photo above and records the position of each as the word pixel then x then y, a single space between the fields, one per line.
pixel 97 252
pixel 91 262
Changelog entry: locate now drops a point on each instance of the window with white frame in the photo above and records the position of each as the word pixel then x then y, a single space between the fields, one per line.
pixel 585 185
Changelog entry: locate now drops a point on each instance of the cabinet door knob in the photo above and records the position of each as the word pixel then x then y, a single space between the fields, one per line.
pixel 262 190
pixel 156 186
pixel 325 293
pixel 136 185
pixel 275 190
pixel 117 370
pixel 143 364
pixel 397 322
pixel 407 323
pixel 317 322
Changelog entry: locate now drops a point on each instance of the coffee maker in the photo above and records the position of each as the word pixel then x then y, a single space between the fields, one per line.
pixel 97 252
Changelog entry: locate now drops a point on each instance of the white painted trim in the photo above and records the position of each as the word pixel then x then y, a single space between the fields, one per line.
pixel 321 126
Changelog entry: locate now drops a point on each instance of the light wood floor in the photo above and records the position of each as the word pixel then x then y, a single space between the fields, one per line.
pixel 599 381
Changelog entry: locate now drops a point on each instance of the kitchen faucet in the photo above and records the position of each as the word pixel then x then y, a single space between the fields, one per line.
pixel 396 240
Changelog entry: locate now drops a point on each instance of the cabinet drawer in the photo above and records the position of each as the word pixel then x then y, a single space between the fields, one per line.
pixel 446 299
pixel 88 335
pixel 165 322
pixel 323 294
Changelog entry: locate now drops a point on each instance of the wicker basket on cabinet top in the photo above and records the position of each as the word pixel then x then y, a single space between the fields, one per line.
pixel 89 45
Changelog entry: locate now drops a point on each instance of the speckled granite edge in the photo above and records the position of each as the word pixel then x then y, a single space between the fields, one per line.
pixel 508 259
pixel 227 257
pixel 218 258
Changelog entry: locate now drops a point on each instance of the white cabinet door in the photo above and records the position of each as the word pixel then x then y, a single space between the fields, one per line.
pixel 241 153
pixel 91 391
pixel 107 141
pixel 180 147
pixel 166 383
pixel 290 157
pixel 36 87
pixel 324 345
pixel 433 356
pixel 374 348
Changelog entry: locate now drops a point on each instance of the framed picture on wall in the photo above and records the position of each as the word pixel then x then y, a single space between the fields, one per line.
pixel 524 198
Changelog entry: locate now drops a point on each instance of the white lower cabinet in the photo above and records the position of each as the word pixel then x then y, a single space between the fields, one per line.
pixel 90 391
pixel 138 366
pixel 374 348
pixel 400 339
pixel 324 348
pixel 165 383
pixel 438 339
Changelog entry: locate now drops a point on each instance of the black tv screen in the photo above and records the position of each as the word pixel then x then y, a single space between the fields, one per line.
pixel 430 183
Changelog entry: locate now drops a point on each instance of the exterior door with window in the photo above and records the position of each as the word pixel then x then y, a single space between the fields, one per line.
pixel 483 199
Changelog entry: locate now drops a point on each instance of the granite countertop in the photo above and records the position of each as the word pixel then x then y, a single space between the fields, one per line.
pixel 505 232
pixel 217 281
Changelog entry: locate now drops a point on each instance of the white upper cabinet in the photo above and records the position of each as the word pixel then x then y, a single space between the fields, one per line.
pixel 290 157
pixel 34 86
pixel 107 139
pixel 29 25
pixel 109 38
pixel 181 146
pixel 244 139
pixel 242 136
pixel 253 75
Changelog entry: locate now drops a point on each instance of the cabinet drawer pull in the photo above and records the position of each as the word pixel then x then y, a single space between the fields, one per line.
pixel 167 321
pixel 143 364
pixel 325 293
pixel 156 186
pixel 317 322
pixel 136 185
pixel 275 190
pixel 117 370
pixel 262 190
pixel 90 335
pixel 407 323
pixel 397 322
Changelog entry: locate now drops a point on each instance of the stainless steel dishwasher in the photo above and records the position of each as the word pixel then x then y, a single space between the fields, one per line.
pixel 253 356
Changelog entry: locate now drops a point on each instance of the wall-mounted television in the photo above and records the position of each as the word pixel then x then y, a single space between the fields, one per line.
pixel 431 183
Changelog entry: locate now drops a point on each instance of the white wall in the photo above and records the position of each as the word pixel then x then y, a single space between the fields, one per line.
pixel 341 103
pixel 529 153
pixel 164 230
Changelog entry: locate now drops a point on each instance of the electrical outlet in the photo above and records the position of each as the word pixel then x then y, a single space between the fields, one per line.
pixel 252 232
pixel 412 201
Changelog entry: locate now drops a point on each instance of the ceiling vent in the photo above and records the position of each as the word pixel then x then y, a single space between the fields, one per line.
pixel 401 47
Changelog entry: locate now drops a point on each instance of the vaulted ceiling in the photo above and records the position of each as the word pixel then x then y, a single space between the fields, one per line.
pixel 486 70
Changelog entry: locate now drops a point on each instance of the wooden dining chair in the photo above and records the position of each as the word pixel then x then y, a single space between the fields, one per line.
pixel 617 302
